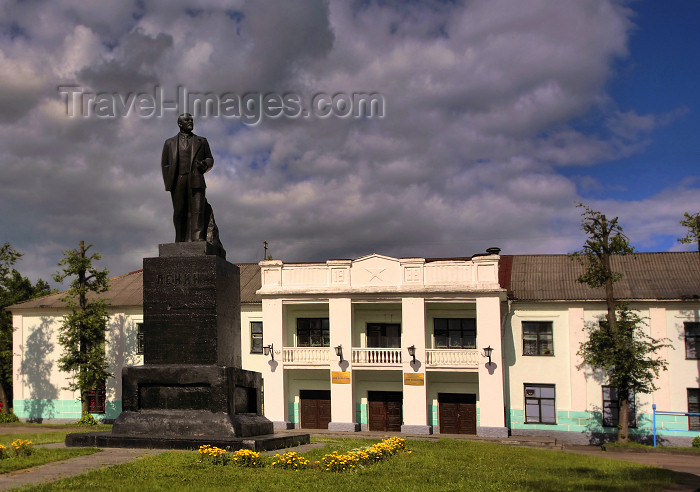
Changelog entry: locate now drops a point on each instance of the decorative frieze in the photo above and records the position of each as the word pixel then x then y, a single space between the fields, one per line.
pixel 377 273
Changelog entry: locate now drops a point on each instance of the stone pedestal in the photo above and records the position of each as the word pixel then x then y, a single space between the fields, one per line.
pixel 191 307
pixel 173 401
pixel 191 389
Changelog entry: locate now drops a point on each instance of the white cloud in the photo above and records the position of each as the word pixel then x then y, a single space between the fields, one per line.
pixel 482 100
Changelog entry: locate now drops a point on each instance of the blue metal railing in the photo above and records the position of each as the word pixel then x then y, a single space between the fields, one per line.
pixel 661 412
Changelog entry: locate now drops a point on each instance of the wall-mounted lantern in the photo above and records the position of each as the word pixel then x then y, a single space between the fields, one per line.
pixel 268 350
pixel 487 353
pixel 339 352
pixel 412 352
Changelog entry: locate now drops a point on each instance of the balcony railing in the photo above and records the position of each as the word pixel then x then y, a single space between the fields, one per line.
pixel 452 357
pixel 455 358
pixel 379 356
pixel 306 355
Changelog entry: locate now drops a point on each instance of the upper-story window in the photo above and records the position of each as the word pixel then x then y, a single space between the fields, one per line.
pixel 692 339
pixel 256 337
pixel 384 335
pixel 313 332
pixel 455 333
pixel 537 338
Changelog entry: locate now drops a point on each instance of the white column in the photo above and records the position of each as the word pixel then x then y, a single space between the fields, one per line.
pixel 116 343
pixel 342 405
pixel 415 405
pixel 491 402
pixel 273 373
pixel 577 335
pixel 657 322
pixel 17 356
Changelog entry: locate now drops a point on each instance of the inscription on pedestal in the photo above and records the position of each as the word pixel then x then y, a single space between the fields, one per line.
pixel 177 279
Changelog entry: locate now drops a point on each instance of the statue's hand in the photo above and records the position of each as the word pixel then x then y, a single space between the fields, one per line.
pixel 201 166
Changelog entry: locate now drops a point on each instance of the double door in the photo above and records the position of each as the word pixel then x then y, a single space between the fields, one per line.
pixel 457 413
pixel 315 409
pixel 385 410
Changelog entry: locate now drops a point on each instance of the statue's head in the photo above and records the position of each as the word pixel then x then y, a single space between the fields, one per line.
pixel 185 122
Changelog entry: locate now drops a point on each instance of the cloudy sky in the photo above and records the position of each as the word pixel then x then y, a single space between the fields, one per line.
pixel 498 116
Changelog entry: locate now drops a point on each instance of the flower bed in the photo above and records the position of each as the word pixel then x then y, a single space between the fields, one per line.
pixel 290 461
pixel 331 462
pixel 21 447
pixel 362 457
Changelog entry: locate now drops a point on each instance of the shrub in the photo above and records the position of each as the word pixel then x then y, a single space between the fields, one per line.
pixel 290 461
pixel 359 458
pixel 212 454
pixel 87 419
pixel 22 447
pixel 8 417
pixel 247 458
pixel 3 452
pixel 696 442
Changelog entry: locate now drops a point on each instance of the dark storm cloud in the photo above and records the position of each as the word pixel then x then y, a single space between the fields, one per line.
pixel 481 103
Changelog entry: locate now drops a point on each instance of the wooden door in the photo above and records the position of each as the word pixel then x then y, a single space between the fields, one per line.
pixel 457 413
pixel 315 409
pixel 385 410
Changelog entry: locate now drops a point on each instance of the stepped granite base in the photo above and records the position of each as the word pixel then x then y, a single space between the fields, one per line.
pixel 267 442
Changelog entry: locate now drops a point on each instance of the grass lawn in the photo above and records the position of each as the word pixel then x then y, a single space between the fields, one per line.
pixel 445 465
pixel 7 435
pixel 40 457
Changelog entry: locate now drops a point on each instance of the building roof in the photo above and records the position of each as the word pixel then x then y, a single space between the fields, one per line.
pixel 662 276
pixel 250 282
pixel 127 291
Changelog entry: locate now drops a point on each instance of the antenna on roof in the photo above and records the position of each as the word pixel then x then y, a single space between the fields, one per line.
pixel 265 246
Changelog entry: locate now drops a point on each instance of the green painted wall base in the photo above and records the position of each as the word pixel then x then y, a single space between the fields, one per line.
pixel 39 410
pixel 592 423
pixel 293 413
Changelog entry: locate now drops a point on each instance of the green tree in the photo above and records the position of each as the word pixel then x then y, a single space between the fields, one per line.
pixel 604 239
pixel 82 334
pixel 616 345
pixel 628 357
pixel 14 288
pixel 692 222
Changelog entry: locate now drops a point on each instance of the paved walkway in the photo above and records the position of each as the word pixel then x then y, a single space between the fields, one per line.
pixel 689 465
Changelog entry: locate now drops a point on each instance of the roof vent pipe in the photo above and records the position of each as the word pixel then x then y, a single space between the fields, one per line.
pixel 493 250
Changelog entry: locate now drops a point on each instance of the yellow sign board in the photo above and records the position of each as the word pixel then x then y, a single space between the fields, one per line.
pixel 414 379
pixel 338 377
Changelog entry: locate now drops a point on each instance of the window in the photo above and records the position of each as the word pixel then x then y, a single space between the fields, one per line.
pixel 694 407
pixel 256 337
pixel 539 404
pixel 455 333
pixel 96 400
pixel 383 335
pixel 313 332
pixel 537 338
pixel 139 339
pixel 692 340
pixel 611 408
